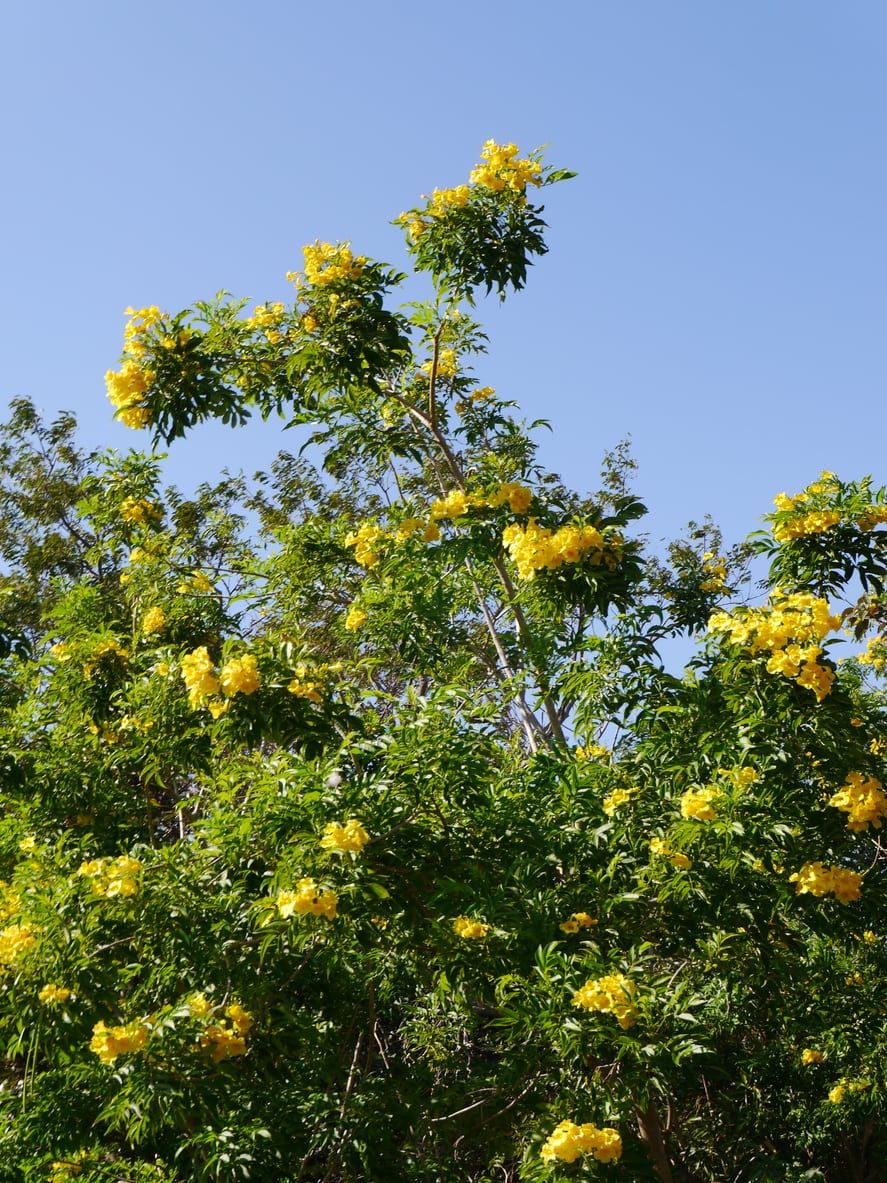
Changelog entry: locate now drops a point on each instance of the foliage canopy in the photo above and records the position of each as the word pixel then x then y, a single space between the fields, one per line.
pixel 353 827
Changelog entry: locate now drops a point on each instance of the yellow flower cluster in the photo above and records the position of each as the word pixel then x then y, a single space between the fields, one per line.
pixel 742 776
pixel 594 751
pixel 811 1056
pixel 613 994
pixel 875 654
pixel 110 1042
pixel 365 540
pixel 699 803
pixel 52 995
pixel 198 674
pixel 141 321
pixel 659 848
pixel 618 797
pixel 327 263
pixel 568 1141
pixel 198 581
pixel 309 680
pixel 10 902
pixel 128 386
pixel 844 1086
pixel 267 317
pixel 534 548
pixel 153 621
pixel 862 797
pixel 519 498
pixel 138 510
pixel 308 899
pixel 576 921
pixel 443 200
pixel 469 930
pixel 15 940
pixel 355 619
pixel 240 676
pixel 816 879
pixel 368 540
pixel 797 518
pixel 501 169
pixel 113 877
pixel 447 364
pixel 817 521
pixel 102 650
pixel 223 1039
pixel 789 629
pixel 350 838
pixel 454 505
pixel 715 572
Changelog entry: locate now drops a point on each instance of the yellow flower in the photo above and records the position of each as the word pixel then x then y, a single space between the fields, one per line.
pixel 698 803
pixel 594 751
pixel 862 797
pixel 568 1141
pixel 618 797
pixel 307 899
pixel 16 940
pixel 534 548
pixel 350 838
pixel 153 621
pixel 576 921
pixel 454 505
pixel 198 1006
pixel 818 880
pixel 469 930
pixel 365 541
pixel 113 877
pixel 138 510
pixel 355 619
pixel 613 994
pixel 127 388
pixel 846 1085
pixel 660 848
pixel 447 364
pixel 241 1020
pixel 51 995
pixel 811 1056
pixel 110 1042
pixel 302 689
pixel 500 169
pixel 240 676
pixel 327 263
pixel 198 676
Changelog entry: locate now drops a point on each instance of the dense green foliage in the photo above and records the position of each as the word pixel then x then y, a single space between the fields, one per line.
pixel 353 827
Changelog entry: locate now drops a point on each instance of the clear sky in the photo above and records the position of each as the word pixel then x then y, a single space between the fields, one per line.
pixel 717 282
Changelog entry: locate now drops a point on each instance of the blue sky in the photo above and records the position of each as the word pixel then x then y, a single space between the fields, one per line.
pixel 716 283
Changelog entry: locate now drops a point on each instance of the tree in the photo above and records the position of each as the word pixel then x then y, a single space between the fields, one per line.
pixel 374 841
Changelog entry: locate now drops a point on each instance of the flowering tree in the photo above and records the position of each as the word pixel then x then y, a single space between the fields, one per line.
pixel 376 842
